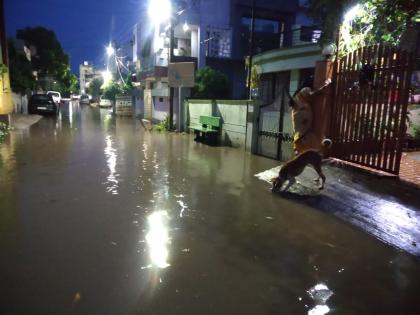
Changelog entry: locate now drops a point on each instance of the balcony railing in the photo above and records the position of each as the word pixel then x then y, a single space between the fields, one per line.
pixel 305 35
pixel 155 65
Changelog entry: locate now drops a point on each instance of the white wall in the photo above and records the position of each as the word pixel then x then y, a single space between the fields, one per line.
pixel 20 103
pixel 194 43
pixel 233 114
pixel 160 107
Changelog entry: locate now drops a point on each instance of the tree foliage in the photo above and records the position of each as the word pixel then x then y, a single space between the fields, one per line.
pixel 211 84
pixel 127 86
pixel 111 90
pixel 21 77
pixel 378 20
pixel 51 62
pixel 94 88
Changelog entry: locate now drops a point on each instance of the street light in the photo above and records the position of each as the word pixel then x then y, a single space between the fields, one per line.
pixel 159 10
pixel 110 50
pixel 185 27
pixel 352 13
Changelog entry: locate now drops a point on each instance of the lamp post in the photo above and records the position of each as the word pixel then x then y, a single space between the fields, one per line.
pixel 110 50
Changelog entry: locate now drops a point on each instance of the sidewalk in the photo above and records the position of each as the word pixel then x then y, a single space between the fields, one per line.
pixel 381 206
pixel 410 168
pixel 23 121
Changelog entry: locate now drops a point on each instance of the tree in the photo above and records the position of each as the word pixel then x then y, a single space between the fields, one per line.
pixel 21 77
pixel 211 84
pixel 111 90
pixel 95 87
pixel 377 20
pixel 127 85
pixel 51 62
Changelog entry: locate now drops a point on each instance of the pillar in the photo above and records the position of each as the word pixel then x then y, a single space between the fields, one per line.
pixel 194 43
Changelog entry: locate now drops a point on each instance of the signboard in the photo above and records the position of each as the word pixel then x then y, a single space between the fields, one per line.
pixel 181 74
pixel 124 105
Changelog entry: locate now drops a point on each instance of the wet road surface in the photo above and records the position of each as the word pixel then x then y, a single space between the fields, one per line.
pixel 100 217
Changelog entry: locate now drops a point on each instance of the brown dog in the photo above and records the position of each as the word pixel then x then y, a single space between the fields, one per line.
pixel 294 167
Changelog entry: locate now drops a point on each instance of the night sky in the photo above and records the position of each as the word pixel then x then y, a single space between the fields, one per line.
pixel 83 27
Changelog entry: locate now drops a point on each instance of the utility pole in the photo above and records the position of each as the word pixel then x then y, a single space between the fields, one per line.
pixel 251 48
pixel 171 89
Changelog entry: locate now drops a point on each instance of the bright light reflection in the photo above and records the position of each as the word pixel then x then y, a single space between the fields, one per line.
pixel 157 239
pixel 70 114
pixel 395 218
pixel 159 10
pixel 111 161
pixel 319 310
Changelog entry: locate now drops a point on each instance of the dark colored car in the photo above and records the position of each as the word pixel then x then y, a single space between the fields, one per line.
pixel 42 104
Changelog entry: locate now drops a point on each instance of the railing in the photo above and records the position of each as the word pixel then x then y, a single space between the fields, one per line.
pixel 155 65
pixel 218 42
pixel 305 35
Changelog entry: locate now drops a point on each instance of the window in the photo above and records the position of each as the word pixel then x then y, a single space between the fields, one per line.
pixel 267 34
pixel 218 42
pixel 262 25
pixel 161 99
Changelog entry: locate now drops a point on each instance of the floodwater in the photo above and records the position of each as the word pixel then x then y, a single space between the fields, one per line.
pixel 98 216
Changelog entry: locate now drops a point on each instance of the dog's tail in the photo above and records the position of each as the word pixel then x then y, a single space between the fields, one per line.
pixel 326 145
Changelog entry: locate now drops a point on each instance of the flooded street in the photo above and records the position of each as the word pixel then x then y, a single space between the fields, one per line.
pixel 98 216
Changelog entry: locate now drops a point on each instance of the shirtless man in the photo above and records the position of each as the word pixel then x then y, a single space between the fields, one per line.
pixel 302 117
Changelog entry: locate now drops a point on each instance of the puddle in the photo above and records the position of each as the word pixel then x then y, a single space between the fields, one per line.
pixel 183 208
pixel 320 294
pixel 299 187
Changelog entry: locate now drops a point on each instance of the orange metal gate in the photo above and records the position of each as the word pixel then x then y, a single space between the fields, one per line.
pixel 368 119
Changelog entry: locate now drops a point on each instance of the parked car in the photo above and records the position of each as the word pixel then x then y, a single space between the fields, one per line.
pixel 42 104
pixel 84 99
pixel 56 96
pixel 104 102
pixel 75 97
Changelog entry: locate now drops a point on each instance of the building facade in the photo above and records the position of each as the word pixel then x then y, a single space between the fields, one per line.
pixel 5 90
pixel 213 33
pixel 87 73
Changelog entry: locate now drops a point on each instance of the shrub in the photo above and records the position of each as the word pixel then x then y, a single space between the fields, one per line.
pixel 4 131
pixel 210 84
pixel 163 125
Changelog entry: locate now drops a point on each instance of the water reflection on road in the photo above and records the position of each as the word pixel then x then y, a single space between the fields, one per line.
pixel 135 222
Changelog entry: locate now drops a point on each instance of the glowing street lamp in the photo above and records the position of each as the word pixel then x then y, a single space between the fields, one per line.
pixel 159 10
pixel 186 27
pixel 110 50
pixel 352 13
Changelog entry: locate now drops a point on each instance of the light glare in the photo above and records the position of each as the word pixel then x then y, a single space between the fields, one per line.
pixel 110 50
pixel 159 10
pixel 106 76
pixel 352 13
